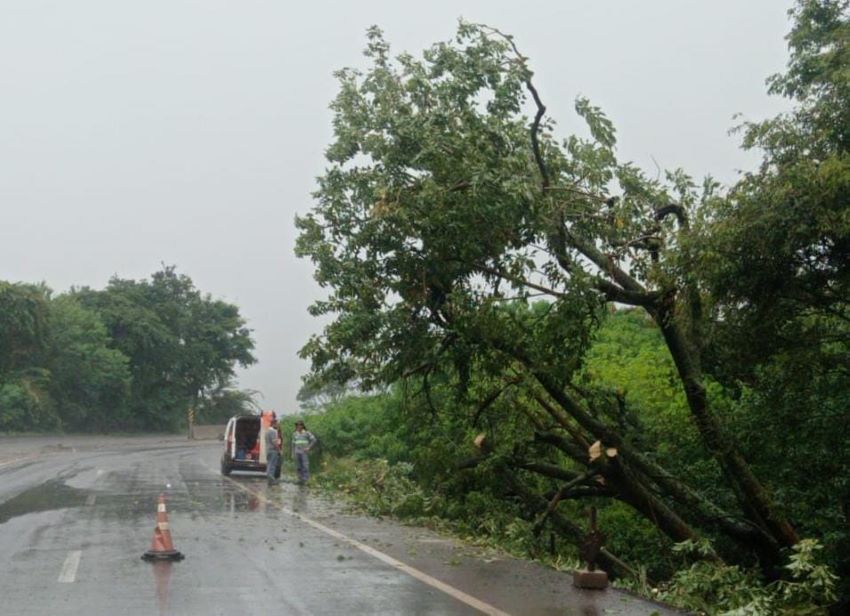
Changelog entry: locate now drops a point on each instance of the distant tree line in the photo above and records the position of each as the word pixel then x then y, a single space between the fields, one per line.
pixel 135 355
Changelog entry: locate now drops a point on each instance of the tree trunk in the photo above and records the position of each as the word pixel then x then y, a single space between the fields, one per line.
pixel 752 496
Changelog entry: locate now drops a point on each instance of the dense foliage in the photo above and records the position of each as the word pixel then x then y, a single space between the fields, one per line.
pixel 710 411
pixel 133 356
pixel 393 456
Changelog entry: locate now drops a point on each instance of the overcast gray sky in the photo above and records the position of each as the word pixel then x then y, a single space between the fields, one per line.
pixel 190 132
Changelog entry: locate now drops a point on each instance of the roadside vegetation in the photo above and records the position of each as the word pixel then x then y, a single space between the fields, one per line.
pixel 548 328
pixel 391 456
pixel 134 356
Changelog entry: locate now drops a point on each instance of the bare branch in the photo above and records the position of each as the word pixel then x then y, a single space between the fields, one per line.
pixel 538 526
pixel 535 128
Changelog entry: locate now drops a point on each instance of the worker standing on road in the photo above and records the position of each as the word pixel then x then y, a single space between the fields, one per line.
pixel 302 443
pixel 273 444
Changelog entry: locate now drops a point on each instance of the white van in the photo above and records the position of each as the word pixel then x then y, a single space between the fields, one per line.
pixel 245 444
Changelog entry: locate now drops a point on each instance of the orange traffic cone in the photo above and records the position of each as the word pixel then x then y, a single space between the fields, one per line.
pixel 161 546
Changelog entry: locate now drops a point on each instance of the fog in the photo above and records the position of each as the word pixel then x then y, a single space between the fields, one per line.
pixel 190 133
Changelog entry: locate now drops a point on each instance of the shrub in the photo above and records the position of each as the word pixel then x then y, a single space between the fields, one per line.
pixel 714 588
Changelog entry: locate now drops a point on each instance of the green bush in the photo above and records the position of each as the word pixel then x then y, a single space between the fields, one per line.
pixel 25 404
pixel 713 588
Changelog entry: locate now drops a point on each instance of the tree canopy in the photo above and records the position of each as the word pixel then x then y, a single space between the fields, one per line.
pixel 133 356
pixel 180 343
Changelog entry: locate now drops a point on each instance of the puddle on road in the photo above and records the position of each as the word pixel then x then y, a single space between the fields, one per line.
pixel 48 496
pixel 234 501
pixel 255 496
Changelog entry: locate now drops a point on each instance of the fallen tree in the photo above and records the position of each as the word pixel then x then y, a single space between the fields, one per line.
pixel 449 205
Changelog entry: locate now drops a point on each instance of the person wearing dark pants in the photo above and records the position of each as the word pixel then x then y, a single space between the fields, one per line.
pixel 273 443
pixel 302 443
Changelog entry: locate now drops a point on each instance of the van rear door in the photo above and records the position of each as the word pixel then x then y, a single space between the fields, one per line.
pixel 229 438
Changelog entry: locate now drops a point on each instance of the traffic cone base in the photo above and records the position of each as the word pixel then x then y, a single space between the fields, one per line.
pixel 161 546
pixel 150 555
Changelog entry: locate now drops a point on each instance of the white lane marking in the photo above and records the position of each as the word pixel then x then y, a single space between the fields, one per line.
pixel 90 500
pixel 461 596
pixel 483 607
pixel 69 569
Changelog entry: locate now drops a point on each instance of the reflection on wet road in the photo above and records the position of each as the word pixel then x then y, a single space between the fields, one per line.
pixel 52 494
pixel 74 521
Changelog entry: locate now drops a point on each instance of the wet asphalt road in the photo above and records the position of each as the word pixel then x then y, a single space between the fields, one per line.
pixel 76 514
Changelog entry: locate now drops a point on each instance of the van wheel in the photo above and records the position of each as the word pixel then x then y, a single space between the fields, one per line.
pixel 225 468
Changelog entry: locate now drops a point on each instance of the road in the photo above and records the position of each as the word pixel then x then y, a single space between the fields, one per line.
pixel 77 513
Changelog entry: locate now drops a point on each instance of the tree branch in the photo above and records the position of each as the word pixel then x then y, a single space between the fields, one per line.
pixel 549 470
pixel 490 399
pixel 563 420
pixel 538 526
pixel 535 127
pixel 573 531
pixel 626 291
pixel 520 281
pixel 604 263
pixel 673 208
